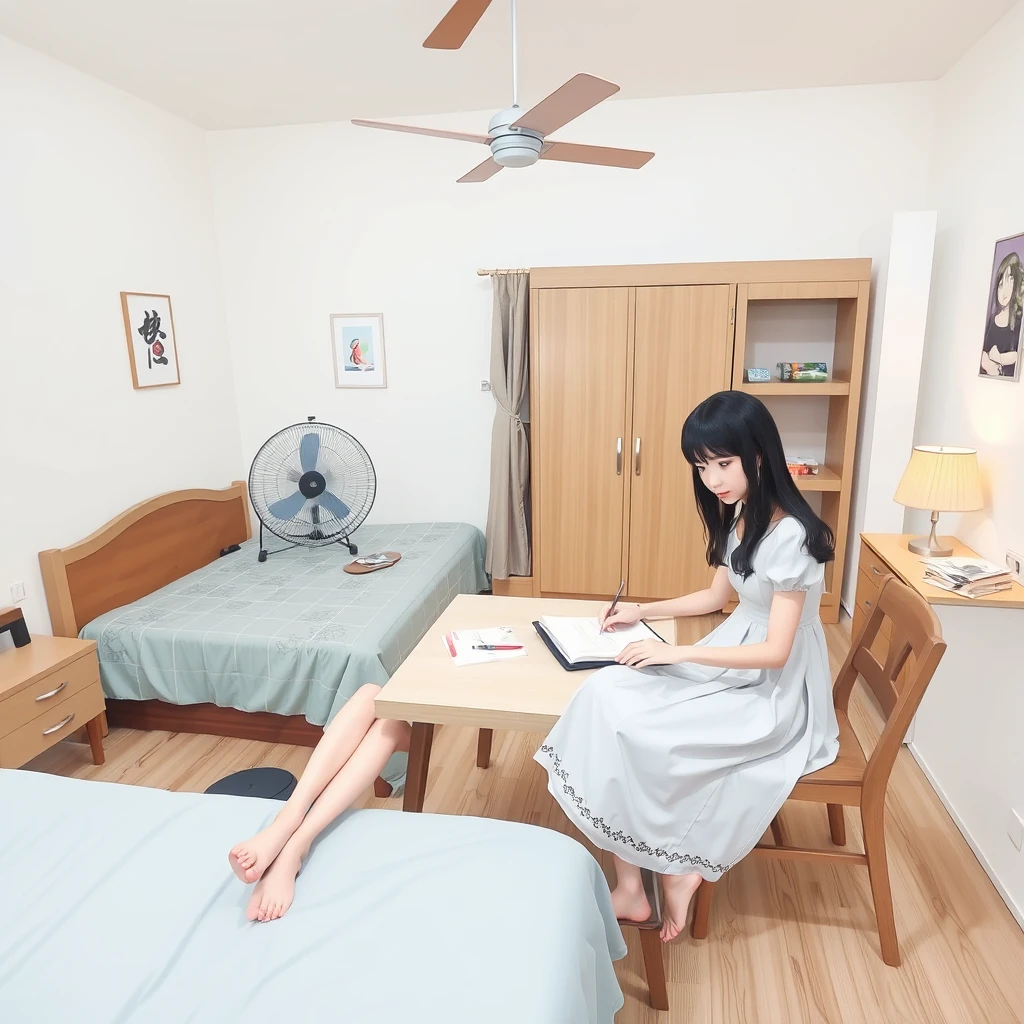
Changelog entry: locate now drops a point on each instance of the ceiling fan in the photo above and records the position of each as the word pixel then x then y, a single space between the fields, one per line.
pixel 518 139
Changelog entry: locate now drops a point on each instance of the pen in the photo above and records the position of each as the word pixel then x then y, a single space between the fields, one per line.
pixel 497 647
pixel 615 601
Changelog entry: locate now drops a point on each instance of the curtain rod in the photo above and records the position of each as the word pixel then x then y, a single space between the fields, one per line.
pixel 492 273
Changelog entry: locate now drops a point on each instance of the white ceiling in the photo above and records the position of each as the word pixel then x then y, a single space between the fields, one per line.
pixel 243 63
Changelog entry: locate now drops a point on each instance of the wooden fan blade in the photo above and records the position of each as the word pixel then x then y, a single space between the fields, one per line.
pixel 454 28
pixel 412 129
pixel 576 97
pixel 607 156
pixel 481 172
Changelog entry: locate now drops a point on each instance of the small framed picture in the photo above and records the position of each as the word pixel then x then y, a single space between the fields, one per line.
pixel 149 329
pixel 358 341
pixel 1000 349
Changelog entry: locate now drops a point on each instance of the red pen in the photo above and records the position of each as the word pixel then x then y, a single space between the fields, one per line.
pixel 497 647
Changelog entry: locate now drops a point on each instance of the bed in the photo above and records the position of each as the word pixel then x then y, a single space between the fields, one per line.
pixel 195 635
pixel 119 906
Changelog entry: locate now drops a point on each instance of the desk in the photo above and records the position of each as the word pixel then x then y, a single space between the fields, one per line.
pixel 526 694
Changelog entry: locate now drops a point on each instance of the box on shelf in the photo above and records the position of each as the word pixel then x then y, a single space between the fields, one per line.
pixel 804 372
pixel 802 467
pixel 758 375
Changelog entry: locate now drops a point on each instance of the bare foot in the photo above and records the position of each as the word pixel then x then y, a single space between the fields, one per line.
pixel 249 860
pixel 273 895
pixel 679 890
pixel 630 903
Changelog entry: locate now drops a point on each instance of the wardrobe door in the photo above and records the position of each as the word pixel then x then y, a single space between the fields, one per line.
pixel 683 353
pixel 578 415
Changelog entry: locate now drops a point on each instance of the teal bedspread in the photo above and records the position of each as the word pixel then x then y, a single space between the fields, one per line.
pixel 295 635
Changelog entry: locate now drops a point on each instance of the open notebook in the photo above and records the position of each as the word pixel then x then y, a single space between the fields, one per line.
pixel 578 643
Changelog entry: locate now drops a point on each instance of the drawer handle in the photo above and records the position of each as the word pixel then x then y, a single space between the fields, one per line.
pixel 876 570
pixel 52 693
pixel 59 725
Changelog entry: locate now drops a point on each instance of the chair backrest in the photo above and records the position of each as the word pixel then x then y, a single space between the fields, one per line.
pixel 914 629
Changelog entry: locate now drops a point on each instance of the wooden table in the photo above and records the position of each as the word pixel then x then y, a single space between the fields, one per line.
pixel 527 694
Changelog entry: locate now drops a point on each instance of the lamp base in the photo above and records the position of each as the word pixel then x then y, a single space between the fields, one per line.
pixel 923 546
pixel 929 546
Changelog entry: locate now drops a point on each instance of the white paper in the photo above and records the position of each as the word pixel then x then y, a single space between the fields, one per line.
pixel 462 641
pixel 580 639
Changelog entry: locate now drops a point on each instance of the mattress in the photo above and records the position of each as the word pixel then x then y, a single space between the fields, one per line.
pixel 295 635
pixel 119 906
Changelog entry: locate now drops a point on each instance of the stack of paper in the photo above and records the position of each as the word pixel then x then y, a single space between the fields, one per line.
pixel 968 577
pixel 460 643
pixel 581 640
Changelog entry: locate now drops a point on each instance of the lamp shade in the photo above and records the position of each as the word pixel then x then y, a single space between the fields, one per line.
pixel 941 479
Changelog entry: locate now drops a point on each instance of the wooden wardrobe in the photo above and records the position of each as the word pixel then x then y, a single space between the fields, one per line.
pixel 619 356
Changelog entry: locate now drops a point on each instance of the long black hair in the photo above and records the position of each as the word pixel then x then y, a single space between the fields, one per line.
pixel 733 423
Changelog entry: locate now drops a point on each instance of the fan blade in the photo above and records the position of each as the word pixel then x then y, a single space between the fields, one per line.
pixel 576 97
pixel 454 28
pixel 335 505
pixel 607 156
pixel 414 130
pixel 488 169
pixel 309 449
pixel 288 508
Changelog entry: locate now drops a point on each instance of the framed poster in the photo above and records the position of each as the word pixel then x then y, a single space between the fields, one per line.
pixel 1000 349
pixel 358 345
pixel 149 329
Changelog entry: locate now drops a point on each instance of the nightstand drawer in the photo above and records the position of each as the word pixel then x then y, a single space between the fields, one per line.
pixel 54 724
pixel 865 601
pixel 46 692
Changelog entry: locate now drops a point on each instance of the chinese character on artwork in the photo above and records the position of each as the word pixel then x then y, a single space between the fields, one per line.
pixel 154 338
pixel 149 327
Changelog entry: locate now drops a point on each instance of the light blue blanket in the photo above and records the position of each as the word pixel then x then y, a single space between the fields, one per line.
pixel 295 635
pixel 119 908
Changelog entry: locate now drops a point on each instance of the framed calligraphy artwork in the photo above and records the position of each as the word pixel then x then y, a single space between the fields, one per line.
pixel 149 329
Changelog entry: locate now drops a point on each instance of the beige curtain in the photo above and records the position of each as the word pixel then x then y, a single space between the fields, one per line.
pixel 508 543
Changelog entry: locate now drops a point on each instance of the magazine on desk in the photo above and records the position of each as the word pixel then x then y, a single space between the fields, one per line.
pixel 968 577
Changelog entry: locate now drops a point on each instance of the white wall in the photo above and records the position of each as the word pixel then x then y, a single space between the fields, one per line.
pixel 99 193
pixel 331 218
pixel 892 383
pixel 968 732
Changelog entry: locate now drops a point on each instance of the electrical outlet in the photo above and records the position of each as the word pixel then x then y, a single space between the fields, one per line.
pixel 1015 828
pixel 485 385
pixel 1014 562
pixel 17 592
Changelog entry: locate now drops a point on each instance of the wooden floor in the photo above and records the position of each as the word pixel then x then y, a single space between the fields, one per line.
pixel 788 943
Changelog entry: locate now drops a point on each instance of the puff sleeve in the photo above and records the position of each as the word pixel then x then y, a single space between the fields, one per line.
pixel 788 566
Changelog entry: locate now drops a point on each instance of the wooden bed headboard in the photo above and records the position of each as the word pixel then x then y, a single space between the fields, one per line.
pixel 150 545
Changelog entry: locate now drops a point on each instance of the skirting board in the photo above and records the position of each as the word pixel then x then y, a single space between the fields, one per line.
pixel 1017 912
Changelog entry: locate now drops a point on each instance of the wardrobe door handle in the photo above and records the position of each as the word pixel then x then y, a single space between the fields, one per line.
pixel 618 457
pixel 636 458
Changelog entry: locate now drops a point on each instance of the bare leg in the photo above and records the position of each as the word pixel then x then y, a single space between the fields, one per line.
pixel 273 895
pixel 679 890
pixel 250 859
pixel 628 898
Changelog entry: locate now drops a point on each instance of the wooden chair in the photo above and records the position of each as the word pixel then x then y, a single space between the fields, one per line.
pixel 853 780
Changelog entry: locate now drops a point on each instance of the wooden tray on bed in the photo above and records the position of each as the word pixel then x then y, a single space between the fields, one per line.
pixel 143 549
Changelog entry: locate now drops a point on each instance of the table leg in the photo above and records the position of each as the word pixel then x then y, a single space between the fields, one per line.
pixel 94 727
pixel 483 748
pixel 419 763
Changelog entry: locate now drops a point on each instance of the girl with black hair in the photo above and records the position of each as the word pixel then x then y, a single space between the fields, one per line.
pixel 678 758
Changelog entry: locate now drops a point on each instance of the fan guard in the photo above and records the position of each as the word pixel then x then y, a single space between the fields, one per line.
pixel 312 484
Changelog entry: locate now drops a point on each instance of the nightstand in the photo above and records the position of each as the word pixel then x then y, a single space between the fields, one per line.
pixel 48 690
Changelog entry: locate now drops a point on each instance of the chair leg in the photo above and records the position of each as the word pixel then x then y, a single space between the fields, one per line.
pixel 873 820
pixel 654 966
pixel 837 824
pixel 779 831
pixel 702 910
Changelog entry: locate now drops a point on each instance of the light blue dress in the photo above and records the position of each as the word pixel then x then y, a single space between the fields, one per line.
pixel 681 768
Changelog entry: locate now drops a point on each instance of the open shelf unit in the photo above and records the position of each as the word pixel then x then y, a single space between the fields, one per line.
pixel 802 322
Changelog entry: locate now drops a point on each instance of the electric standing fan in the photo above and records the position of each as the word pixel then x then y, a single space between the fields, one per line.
pixel 311 484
